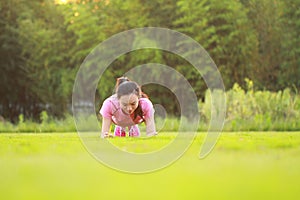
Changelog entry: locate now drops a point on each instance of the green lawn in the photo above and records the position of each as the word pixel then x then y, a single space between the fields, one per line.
pixel 244 165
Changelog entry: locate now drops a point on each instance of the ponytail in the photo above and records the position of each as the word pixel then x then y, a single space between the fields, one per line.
pixel 120 81
pixel 144 95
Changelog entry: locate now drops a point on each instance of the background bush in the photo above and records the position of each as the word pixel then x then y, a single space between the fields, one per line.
pixel 252 110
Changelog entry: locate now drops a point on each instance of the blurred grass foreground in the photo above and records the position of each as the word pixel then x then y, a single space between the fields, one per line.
pixel 243 165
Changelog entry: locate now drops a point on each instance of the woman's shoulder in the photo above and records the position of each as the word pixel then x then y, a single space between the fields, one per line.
pixel 112 99
pixel 147 107
pixel 145 102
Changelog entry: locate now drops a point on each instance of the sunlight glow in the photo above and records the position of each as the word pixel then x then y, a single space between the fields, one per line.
pixel 61 1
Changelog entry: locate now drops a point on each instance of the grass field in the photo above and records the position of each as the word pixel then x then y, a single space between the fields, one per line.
pixel 243 165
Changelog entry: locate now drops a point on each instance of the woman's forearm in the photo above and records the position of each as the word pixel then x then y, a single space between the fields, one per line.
pixel 106 122
pixel 150 126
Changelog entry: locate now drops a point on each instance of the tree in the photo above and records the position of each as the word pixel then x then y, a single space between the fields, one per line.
pixel 223 29
pixel 15 91
pixel 290 65
pixel 44 51
pixel 266 19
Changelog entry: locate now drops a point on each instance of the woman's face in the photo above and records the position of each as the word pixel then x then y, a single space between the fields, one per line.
pixel 129 103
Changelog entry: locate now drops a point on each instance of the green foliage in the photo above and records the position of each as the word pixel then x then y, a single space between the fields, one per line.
pixel 265 16
pixel 290 51
pixel 257 110
pixel 44 117
pixel 15 90
pixel 45 55
pixel 225 31
pixel 47 124
pixel 42 45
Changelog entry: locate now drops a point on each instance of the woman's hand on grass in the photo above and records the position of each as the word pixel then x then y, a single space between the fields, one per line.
pixel 106 135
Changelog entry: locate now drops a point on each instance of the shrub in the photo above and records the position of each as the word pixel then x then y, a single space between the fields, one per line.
pixel 257 110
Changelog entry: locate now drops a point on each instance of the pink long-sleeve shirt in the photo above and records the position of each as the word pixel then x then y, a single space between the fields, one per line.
pixel 111 109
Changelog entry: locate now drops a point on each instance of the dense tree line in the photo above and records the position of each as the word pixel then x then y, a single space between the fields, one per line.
pixel 43 43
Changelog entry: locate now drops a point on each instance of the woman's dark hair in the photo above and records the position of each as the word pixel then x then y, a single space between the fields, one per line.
pixel 125 87
pixel 120 81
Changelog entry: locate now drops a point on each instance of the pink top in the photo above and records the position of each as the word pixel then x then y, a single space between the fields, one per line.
pixel 111 109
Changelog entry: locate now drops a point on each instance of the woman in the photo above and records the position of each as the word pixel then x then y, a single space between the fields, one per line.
pixel 126 109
